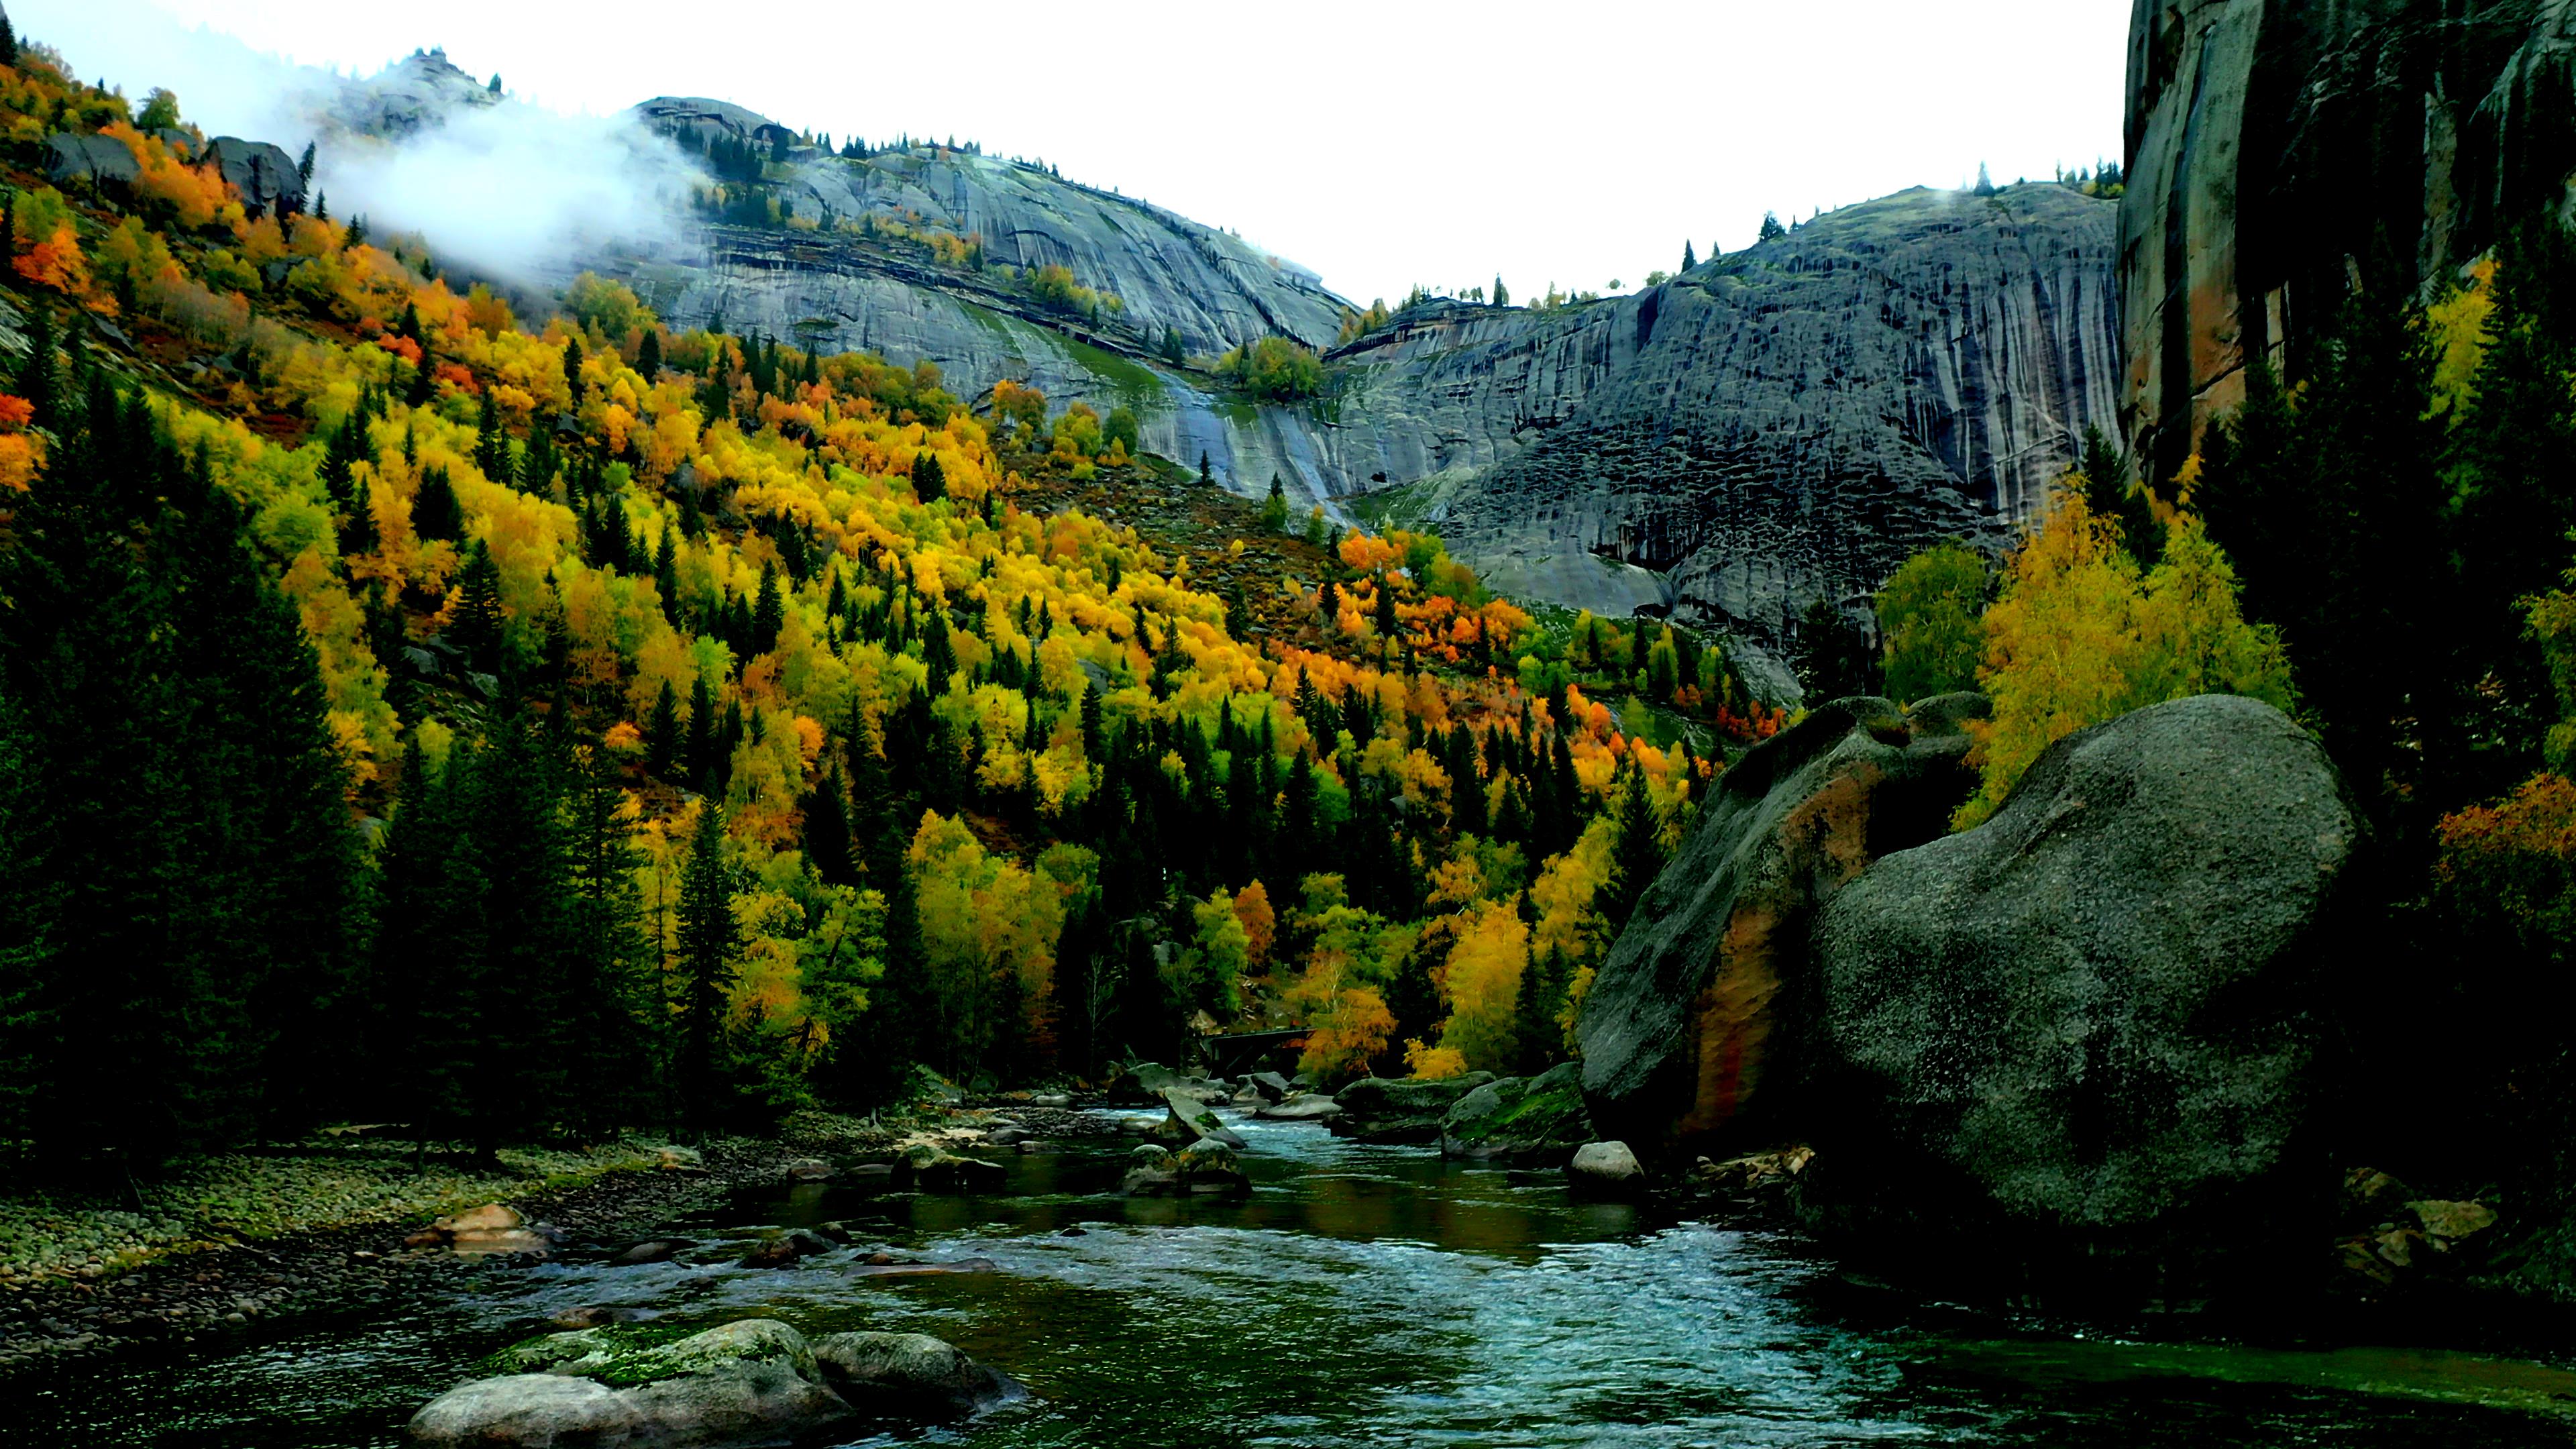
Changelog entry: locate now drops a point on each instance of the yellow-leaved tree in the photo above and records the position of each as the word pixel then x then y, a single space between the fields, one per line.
pixel 2081 636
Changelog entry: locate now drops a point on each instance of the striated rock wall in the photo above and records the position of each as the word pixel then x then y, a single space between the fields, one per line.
pixel 1791 422
pixel 2281 150
pixel 1781 425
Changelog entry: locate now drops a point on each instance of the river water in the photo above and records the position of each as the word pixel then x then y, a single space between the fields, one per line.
pixel 1362 1296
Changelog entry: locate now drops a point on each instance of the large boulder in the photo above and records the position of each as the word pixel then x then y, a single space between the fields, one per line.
pixel 910 1374
pixel 1191 1120
pixel 262 172
pixel 1300 1107
pixel 2079 1038
pixel 1379 1109
pixel 72 157
pixel 1703 989
pixel 1529 1121
pixel 751 1380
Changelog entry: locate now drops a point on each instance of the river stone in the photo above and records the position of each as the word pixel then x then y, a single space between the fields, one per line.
pixel 1152 1172
pixel 1606 1167
pixel 1409 1109
pixel 537 1411
pixel 1209 1168
pixel 1700 994
pixel 1530 1121
pixel 1301 1107
pixel 911 1374
pixel 1269 1084
pixel 1192 1120
pixel 2079 1037
pixel 754 1379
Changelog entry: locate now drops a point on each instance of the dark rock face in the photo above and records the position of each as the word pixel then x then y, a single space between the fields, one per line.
pixel 1706 986
pixel 1377 1109
pixel 93 159
pixel 261 172
pixel 1779 425
pixel 1530 1121
pixel 2080 1037
pixel 2276 149
pixel 910 1374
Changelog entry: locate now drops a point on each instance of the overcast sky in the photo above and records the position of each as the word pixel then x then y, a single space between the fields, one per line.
pixel 1381 144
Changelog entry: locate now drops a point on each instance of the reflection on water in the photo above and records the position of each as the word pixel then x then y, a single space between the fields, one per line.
pixel 1362 1296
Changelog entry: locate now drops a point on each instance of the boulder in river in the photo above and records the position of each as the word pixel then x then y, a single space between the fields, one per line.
pixel 751 1380
pixel 1380 1109
pixel 1300 1107
pixel 1607 1168
pixel 1696 1002
pixel 910 1374
pixel 1209 1168
pixel 1528 1121
pixel 1192 1119
pixel 2079 1038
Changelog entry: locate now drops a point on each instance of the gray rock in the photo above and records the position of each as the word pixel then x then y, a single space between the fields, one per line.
pixel 910 1374
pixel 1699 994
pixel 1379 1109
pixel 1606 1167
pixel 1208 1167
pixel 538 1411
pixel 1192 1120
pixel 749 1380
pixel 261 172
pixel 1301 1107
pixel 2081 1035
pixel 1152 1172
pixel 97 160
pixel 1529 1121
pixel 1269 1084
pixel 2271 143
pixel 654 1250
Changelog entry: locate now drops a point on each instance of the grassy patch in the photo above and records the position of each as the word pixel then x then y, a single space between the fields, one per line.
pixel 324 1183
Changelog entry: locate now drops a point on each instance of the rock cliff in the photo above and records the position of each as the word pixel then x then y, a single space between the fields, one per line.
pixel 1780 425
pixel 2279 150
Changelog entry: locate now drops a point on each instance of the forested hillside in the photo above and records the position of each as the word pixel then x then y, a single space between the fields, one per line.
pixel 413 712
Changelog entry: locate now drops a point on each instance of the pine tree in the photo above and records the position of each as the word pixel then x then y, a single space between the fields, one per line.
pixel 572 371
pixel 929 480
pixel 1502 294
pixel 1690 258
pixel 662 736
pixel 474 624
pixel 648 355
pixel 827 831
pixel 1637 856
pixel 304 166
pixel 769 614
pixel 710 949
pixel 358 532
pixel 611 1036
pixel 435 511
pixel 703 742
pixel 1772 230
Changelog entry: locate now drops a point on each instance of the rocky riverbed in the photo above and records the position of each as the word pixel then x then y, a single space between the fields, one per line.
pixel 1354 1293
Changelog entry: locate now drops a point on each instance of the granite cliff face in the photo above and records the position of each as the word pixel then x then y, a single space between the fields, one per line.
pixel 1779 425
pixel 2280 150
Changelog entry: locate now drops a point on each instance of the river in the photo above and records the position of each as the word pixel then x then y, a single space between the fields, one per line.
pixel 1362 1296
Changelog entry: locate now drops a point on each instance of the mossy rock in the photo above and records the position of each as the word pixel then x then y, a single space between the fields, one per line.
pixel 1531 1121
